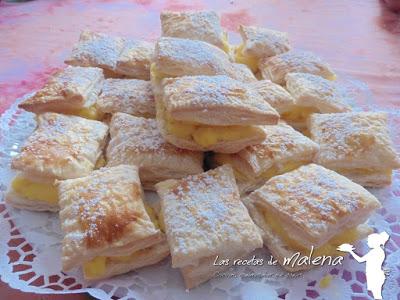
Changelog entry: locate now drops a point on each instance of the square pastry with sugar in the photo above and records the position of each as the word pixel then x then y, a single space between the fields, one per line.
pixel 284 149
pixel 138 141
pixel 131 96
pixel 107 230
pixel 72 91
pixel 61 147
pixel 204 217
pixel 310 207
pixel 357 145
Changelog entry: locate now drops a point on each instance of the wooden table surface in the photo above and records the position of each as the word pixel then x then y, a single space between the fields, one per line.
pixel 360 38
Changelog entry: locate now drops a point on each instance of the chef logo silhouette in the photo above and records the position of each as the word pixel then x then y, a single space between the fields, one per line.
pixel 373 259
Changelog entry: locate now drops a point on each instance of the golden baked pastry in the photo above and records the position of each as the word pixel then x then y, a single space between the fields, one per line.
pixel 313 94
pixel 277 67
pixel 204 217
pixel 275 95
pixel 135 59
pixel 212 113
pixel 357 145
pixel 61 147
pixel 175 57
pixel 131 96
pixel 96 50
pixel 107 230
pixel 258 43
pixel 73 90
pixel 118 57
pixel 138 141
pixel 195 25
pixel 283 150
pixel 310 207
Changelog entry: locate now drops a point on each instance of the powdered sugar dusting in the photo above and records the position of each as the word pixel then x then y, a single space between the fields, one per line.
pixel 175 57
pixel 104 204
pixel 131 96
pixel 315 91
pixel 263 42
pixel 353 140
pixel 316 198
pixel 131 134
pixel 199 25
pixel 203 215
pixel 278 66
pixel 62 146
pixel 96 50
pixel 208 92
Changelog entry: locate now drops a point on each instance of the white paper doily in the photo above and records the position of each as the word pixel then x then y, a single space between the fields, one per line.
pixel 30 246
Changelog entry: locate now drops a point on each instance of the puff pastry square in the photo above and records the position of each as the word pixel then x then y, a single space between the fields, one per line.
pixel 277 67
pixel 175 57
pixel 275 95
pixel 357 145
pixel 61 147
pixel 138 141
pixel 135 59
pixel 73 90
pixel 259 43
pixel 283 150
pixel 200 25
pixel 131 96
pixel 310 207
pixel 204 217
pixel 313 94
pixel 105 222
pixel 212 113
pixel 96 50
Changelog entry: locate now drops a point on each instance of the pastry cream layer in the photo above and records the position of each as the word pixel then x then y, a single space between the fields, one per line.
pixel 96 267
pixel 40 191
pixel 36 191
pixel 156 74
pixel 299 114
pixel 205 135
pixel 248 60
pixel 90 112
pixel 101 162
pixel 222 159
pixel 329 248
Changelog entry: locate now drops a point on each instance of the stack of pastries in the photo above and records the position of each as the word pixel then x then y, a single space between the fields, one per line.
pixel 246 146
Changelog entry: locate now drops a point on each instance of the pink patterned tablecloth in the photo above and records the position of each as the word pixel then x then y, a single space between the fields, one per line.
pixel 359 38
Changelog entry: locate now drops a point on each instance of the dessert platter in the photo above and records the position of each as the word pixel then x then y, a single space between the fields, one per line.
pixel 190 167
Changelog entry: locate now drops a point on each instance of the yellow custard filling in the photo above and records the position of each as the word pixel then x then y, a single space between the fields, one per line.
pixel 299 114
pixel 40 191
pixel 36 191
pixel 155 218
pixel 329 248
pixel 96 267
pixel 203 135
pixel 90 112
pixel 225 43
pixel 207 136
pixel 156 74
pixel 101 162
pixel 241 58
